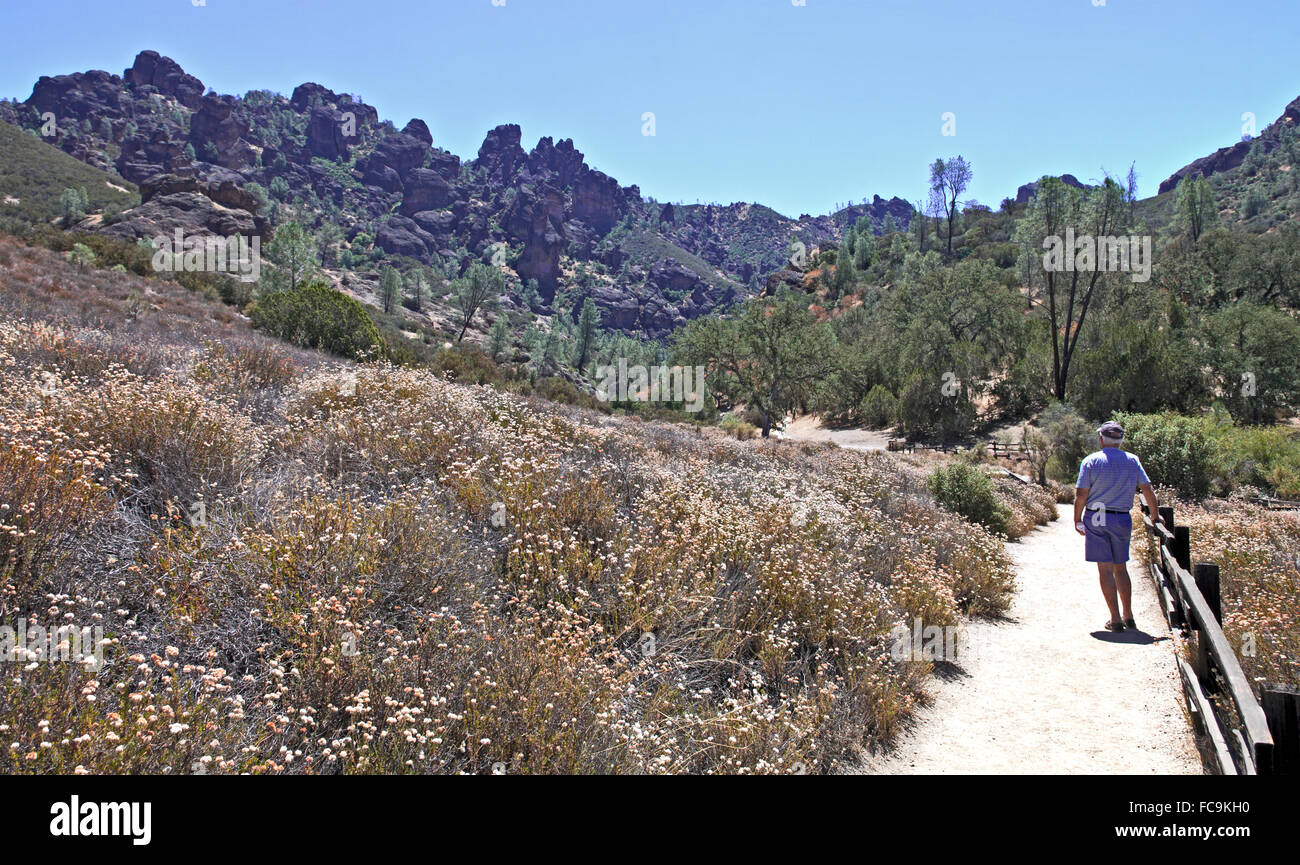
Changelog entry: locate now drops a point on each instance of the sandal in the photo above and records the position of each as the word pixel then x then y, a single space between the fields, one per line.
pixel 1114 627
pixel 1129 623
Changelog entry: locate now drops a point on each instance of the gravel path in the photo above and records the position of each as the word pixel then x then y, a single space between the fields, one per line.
pixel 1047 690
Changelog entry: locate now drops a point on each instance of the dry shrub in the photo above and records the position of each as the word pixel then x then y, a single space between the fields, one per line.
pixel 50 498
pixel 1258 554
pixel 172 443
pixel 245 369
pixel 1030 506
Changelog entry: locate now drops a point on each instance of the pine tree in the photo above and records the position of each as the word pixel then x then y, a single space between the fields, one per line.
pixel 588 325
pixel 498 337
pixel 292 252
pixel 843 271
pixel 70 207
pixel 863 251
pixel 531 297
pixel 390 287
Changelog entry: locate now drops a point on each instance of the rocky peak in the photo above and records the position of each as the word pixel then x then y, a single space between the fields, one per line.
pixel 302 98
pixel 1029 190
pixel 419 130
pixel 166 76
pixel 500 154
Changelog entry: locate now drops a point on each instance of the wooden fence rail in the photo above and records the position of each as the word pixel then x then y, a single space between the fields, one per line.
pixel 1251 738
pixel 1277 504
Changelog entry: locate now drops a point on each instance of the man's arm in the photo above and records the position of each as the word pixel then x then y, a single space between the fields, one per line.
pixel 1149 493
pixel 1080 500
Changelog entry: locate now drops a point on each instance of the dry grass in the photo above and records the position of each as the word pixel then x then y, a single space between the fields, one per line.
pixel 1258 554
pixel 394 573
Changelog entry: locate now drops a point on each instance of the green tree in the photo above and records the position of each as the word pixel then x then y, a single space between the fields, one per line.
pixel 1176 451
pixel 948 180
pixel 1136 344
pixel 72 206
pixel 81 255
pixel 329 239
pixel 1195 210
pixel 1251 351
pixel 418 287
pixel 967 491
pixel 844 275
pixel 498 337
pixel 948 330
pixel 280 189
pixel 390 288
pixel 879 408
pixel 314 315
pixel 1070 292
pixel 588 327
pixel 1066 439
pixel 477 290
pixel 770 357
pixel 531 295
pixel 258 191
pixel 864 248
pixel 291 254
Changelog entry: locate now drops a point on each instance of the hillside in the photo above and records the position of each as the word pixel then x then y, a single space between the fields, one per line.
pixel 1255 180
pixel 33 175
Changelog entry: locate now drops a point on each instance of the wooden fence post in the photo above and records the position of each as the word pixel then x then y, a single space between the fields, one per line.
pixel 1207 583
pixel 1207 580
pixel 1282 709
pixel 1181 547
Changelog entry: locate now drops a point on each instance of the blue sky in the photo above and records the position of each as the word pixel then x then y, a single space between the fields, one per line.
pixel 797 107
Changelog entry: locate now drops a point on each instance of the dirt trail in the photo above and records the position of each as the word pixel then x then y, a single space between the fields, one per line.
pixel 809 428
pixel 1047 690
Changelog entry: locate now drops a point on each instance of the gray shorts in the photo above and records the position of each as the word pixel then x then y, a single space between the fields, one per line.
pixel 1106 536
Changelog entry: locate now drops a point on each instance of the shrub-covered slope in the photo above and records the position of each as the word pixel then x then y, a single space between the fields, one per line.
pixel 391 572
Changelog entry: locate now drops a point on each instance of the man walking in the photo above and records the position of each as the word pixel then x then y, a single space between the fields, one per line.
pixel 1107 480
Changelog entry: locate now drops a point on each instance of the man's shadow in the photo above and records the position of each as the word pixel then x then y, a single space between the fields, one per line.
pixel 1133 636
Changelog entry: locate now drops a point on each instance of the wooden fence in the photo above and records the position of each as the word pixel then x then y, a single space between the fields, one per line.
pixel 1241 735
pixel 1002 449
pixel 1277 504
pixel 996 448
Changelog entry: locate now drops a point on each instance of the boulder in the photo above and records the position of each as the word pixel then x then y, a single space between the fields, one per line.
pixel 382 176
pixel 192 212
pixel 1030 190
pixel 425 189
pixel 217 133
pixel 302 99
pixel 436 222
pixel 325 134
pixel 402 236
pixel 541 210
pixel 87 95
